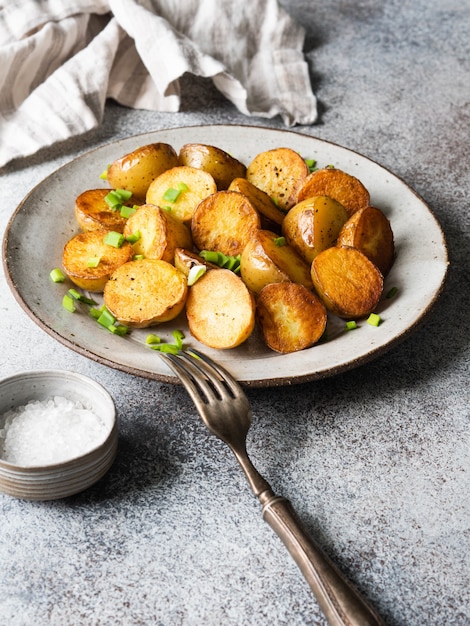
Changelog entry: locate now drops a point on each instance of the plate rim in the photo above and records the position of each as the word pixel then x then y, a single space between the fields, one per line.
pixel 255 383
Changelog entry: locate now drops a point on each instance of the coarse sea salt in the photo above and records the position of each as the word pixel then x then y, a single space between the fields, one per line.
pixel 46 432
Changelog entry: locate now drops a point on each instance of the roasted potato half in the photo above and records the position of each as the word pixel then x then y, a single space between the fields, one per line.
pixel 219 164
pixel 279 173
pixel 267 259
pixel 290 316
pixel 146 292
pixel 160 233
pixel 314 225
pixel 341 186
pixel 179 190
pixel 224 222
pixel 81 249
pixel 369 231
pixel 220 310
pixel 271 215
pixel 347 282
pixel 92 212
pixel 136 170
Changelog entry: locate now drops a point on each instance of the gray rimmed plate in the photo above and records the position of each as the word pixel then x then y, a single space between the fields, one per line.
pixel 44 221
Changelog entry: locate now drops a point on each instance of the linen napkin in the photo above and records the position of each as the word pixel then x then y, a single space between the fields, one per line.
pixel 61 59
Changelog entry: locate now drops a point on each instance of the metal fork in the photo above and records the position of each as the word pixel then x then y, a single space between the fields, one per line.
pixel 224 408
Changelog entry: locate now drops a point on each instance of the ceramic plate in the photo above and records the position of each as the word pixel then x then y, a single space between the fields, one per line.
pixel 44 221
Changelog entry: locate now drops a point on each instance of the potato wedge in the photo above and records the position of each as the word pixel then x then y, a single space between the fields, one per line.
pixel 180 190
pixel 91 245
pixel 219 164
pixel 263 261
pixel 146 292
pixel 271 215
pixel 220 310
pixel 290 316
pixel 347 282
pixel 369 231
pixel 93 213
pixel 337 184
pixel 279 173
pixel 136 170
pixel 160 233
pixel 313 225
pixel 224 222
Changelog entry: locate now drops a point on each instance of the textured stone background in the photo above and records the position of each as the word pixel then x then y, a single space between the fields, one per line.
pixel 376 461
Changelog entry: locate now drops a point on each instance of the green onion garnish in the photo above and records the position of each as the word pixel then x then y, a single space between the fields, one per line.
pixel 374 319
pixel 93 261
pixel 392 292
pixel 127 211
pixel 106 318
pixel 178 336
pixel 171 194
pixel 138 257
pixel 104 174
pixel 351 325
pixel 152 339
pixel 222 260
pixel 76 295
pixel 134 237
pixel 69 303
pixel 118 329
pixel 280 241
pixel 57 276
pixel 195 273
pixel 311 164
pixel 114 239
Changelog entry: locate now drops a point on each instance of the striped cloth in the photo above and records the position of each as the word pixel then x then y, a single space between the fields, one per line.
pixel 61 59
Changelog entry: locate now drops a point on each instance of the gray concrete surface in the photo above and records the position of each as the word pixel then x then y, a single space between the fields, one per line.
pixel 375 460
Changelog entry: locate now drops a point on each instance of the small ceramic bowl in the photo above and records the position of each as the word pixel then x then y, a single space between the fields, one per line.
pixel 37 480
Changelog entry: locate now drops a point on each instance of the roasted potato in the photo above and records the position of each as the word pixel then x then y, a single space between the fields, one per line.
pixel 290 316
pixel 88 245
pixel 347 282
pixel 146 292
pixel 93 213
pixel 314 225
pixel 160 233
pixel 180 190
pixel 224 222
pixel 136 170
pixel 279 173
pixel 219 164
pixel 369 231
pixel 220 310
pixel 271 215
pixel 265 259
pixel 341 186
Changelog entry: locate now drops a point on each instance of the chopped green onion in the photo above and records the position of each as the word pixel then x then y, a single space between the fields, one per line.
pixel 178 336
pixel 374 319
pixel 210 256
pixel 93 261
pixel 104 174
pixel 114 239
pixel 351 325
pixel 280 241
pixel 94 313
pixel 76 295
pixel 57 276
pixel 182 187
pixel 171 194
pixel 69 303
pixel 166 347
pixel 195 273
pixel 167 208
pixel 134 237
pixel 138 257
pixel 392 292
pixel 118 329
pixel 106 318
pixel 276 201
pixel 124 194
pixel 152 339
pixel 113 200
pixel 311 163
pixel 127 211
pixel 222 260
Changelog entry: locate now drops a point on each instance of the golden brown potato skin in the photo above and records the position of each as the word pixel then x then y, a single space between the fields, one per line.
pixel 160 233
pixel 222 166
pixel 220 310
pixel 263 261
pixel 224 222
pixel 290 316
pixel 369 231
pixel 271 215
pixel 341 186
pixel 93 213
pixel 313 225
pixel 279 173
pixel 347 282
pixel 146 292
pixel 136 170
pixel 78 250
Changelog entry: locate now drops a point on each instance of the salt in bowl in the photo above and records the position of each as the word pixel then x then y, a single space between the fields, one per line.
pixel 58 434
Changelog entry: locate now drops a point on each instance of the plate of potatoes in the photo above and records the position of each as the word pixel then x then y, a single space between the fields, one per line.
pixel 284 257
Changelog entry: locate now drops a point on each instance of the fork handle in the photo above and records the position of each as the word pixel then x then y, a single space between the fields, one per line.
pixel 338 599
